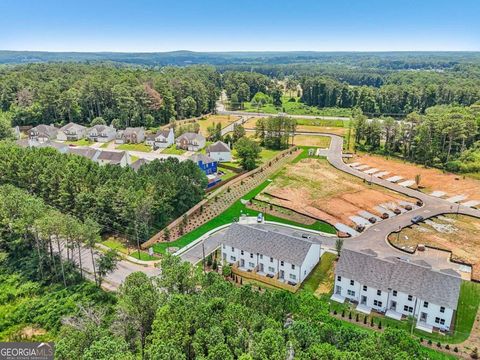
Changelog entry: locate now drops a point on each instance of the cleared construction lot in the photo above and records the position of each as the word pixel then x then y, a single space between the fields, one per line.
pixel 455 233
pixel 314 188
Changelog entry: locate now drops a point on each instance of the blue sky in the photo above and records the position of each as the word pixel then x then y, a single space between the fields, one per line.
pixel 227 25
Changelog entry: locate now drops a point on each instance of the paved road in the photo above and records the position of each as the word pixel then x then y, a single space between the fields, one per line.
pixel 229 128
pixel 222 111
pixel 375 236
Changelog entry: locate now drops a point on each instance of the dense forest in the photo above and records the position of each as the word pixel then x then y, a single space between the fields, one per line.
pixel 445 136
pixel 133 204
pixel 184 314
pixel 60 93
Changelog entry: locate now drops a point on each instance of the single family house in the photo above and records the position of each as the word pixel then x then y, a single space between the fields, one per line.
pixel 219 151
pixel 131 136
pixel 101 133
pixel 42 133
pixel 164 139
pixel 71 132
pixel 191 141
pixel 113 158
pixel 205 163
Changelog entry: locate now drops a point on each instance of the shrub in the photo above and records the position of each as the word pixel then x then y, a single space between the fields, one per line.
pixel 350 315
pixel 474 354
pixel 455 349
pixel 356 318
pixel 447 347
pixel 379 324
pixel 365 320
pixel 439 344
pixel 334 312
pixel 372 322
pixel 429 342
pixel 343 313
pixel 421 340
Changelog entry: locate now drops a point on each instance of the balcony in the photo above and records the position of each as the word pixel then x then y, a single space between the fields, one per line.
pixel 263 277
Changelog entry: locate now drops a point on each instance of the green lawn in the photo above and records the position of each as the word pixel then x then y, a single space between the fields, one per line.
pixel 120 247
pixel 105 145
pixel 297 108
pixel 304 154
pixel 323 122
pixel 135 147
pixel 81 142
pixel 233 212
pixel 265 156
pixel 320 274
pixel 227 173
pixel 172 150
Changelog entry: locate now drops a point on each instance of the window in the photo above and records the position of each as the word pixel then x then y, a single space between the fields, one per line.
pixel 352 282
pixel 271 269
pixel 251 256
pixel 394 292
pixel 364 287
pixel 377 303
pixel 251 264
pixel 233 249
pixel 293 267
pixel 241 252
pixel 261 257
pixel 339 278
pixel 442 309
pixel 233 258
pixel 351 292
pixel 408 308
pixel 439 321
pixel 379 292
pixel 281 263
pixel 410 297
pixel 425 304
pixel 271 259
pixel 293 277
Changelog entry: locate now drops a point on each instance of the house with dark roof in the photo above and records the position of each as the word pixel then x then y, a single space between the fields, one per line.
pixel 42 133
pixel 101 133
pixel 191 141
pixel 162 139
pixel 219 151
pixel 270 254
pixel 71 132
pixel 87 152
pixel 138 164
pixel 113 158
pixel 398 287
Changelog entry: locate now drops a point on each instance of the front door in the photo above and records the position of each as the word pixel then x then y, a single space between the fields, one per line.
pixel 338 290
pixel 423 317
pixel 261 267
pixel 282 274
pixel 363 300
pixel 393 305
pixel 242 263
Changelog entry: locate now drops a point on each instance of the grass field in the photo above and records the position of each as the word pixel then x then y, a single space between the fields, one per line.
pixel 81 142
pixel 215 119
pixel 320 280
pixel 120 247
pixel 105 145
pixel 297 108
pixel 311 140
pixel 232 213
pixel 172 150
pixel 135 147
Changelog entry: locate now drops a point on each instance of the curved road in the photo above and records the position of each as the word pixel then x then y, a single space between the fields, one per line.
pixel 375 236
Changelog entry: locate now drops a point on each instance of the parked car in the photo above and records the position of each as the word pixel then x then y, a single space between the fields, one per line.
pixel 417 219
pixel 306 236
pixel 372 220
pixel 260 218
pixel 359 228
pixel 408 207
pixel 385 216
pixel 397 211
pixel 419 203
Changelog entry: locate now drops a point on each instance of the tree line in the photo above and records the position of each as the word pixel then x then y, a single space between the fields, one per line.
pixel 276 132
pixel 60 93
pixel 124 202
pixel 445 136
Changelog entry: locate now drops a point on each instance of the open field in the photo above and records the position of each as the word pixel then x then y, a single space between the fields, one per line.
pixel 431 179
pixel 134 147
pixel 337 127
pixel 116 244
pixel 215 119
pixel 311 140
pixel 449 232
pixel 297 108
pixel 313 187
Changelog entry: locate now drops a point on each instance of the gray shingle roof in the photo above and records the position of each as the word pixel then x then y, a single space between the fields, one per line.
pixel 72 127
pixel 114 157
pixel 45 130
pixel 268 243
pixel 190 136
pixel 202 157
pixel 138 164
pixel 219 146
pixel 411 277
pixel 89 153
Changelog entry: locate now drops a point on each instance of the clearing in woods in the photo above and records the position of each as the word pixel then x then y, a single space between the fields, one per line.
pixel 215 119
pixel 314 188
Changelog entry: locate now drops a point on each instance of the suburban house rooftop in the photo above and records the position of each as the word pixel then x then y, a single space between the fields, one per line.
pixel 218 146
pixel 190 136
pixel 113 156
pixel 415 278
pixel 268 243
pixel 201 157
